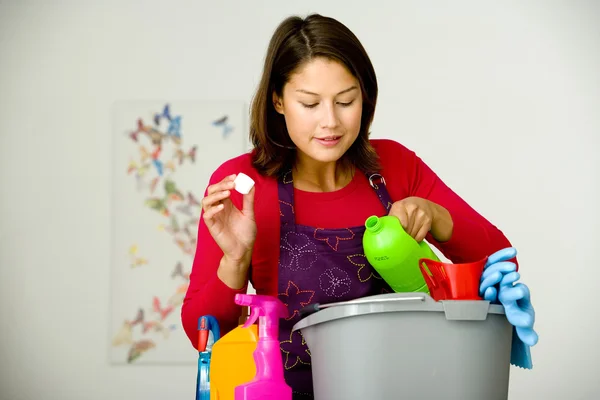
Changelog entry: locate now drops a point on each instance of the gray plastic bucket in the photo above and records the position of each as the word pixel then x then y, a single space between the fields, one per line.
pixel 408 346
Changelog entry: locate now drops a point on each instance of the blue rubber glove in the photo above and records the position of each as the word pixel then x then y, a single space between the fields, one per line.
pixel 495 268
pixel 516 300
pixel 498 284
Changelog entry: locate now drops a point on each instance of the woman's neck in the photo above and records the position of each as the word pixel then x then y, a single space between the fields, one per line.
pixel 314 176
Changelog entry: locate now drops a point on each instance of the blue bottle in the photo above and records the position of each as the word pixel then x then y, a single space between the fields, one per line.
pixel 206 324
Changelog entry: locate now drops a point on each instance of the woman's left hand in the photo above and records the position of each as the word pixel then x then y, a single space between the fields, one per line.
pixel 418 216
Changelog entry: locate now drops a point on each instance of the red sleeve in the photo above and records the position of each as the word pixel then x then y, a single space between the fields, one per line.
pixel 473 236
pixel 207 294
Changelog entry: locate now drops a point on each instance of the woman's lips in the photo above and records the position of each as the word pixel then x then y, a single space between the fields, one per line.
pixel 329 141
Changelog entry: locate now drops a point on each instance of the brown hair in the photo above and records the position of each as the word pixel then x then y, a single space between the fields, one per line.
pixel 295 42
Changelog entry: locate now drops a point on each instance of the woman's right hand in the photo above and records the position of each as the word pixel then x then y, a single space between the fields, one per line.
pixel 234 230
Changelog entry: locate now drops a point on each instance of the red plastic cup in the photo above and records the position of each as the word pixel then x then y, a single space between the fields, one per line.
pixel 452 281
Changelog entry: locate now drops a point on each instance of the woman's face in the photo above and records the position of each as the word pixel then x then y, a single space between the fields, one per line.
pixel 322 106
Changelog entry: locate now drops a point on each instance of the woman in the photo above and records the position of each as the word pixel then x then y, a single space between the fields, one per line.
pixel 298 233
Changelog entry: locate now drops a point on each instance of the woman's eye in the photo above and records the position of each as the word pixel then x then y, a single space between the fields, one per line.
pixel 316 104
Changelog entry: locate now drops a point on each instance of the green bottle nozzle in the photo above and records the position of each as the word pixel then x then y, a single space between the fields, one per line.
pixel 373 224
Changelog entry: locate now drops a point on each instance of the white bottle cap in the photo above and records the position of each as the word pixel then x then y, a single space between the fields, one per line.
pixel 243 183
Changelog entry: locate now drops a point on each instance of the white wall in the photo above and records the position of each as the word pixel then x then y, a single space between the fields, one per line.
pixel 502 99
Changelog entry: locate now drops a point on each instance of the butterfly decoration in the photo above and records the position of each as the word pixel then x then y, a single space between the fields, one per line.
pixel 138 348
pixel 174 129
pixel 140 170
pixel 187 247
pixel 192 200
pixel 134 135
pixel 190 234
pixel 140 173
pixel 185 209
pixel 156 327
pixel 181 156
pixel 135 260
pixel 170 165
pixel 124 336
pixel 222 122
pixel 188 207
pixel 158 204
pixel 156 153
pixel 153 184
pixel 153 172
pixel 173 227
pixel 192 153
pixel 177 298
pixel 140 128
pixel 172 192
pixel 158 165
pixel 166 114
pixel 178 271
pixel 163 312
pixel 144 154
pixel 139 318
pixel 156 136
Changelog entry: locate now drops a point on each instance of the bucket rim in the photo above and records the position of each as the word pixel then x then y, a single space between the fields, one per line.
pixel 457 310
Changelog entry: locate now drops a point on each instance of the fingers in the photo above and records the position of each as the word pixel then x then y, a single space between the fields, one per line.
pixel 517 317
pixel 519 312
pixel 527 335
pixel 502 255
pixel 421 224
pixel 212 203
pixel 216 193
pixel 502 273
pixel 514 293
pixel 401 213
pixel 491 280
pixel 525 302
pixel 414 220
pixel 211 212
pixel 225 184
pixel 509 279
pixel 515 298
pixel 410 228
pixel 490 294
pixel 420 235
pixel 214 200
pixel 504 267
pixel 248 204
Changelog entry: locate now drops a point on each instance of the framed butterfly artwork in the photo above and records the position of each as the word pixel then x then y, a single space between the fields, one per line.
pixel 164 153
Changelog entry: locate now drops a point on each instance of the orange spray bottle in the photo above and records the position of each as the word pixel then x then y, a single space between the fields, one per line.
pixel 232 361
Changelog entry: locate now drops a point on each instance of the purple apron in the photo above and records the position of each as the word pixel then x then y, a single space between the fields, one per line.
pixel 318 266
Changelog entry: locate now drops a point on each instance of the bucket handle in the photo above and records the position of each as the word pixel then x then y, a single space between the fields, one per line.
pixel 317 307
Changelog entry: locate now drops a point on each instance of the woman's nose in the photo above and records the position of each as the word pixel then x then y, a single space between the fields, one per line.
pixel 329 118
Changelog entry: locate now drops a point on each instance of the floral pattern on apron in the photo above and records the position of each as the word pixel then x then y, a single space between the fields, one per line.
pixel 318 265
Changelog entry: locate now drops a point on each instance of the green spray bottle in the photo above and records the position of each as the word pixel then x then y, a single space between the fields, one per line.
pixel 394 254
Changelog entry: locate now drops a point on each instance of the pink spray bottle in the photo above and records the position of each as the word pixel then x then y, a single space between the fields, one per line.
pixel 268 383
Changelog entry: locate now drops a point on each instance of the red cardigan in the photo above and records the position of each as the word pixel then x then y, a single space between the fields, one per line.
pixel 406 175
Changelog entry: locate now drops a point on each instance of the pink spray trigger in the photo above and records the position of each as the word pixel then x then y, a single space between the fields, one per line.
pixel 265 305
pixel 254 314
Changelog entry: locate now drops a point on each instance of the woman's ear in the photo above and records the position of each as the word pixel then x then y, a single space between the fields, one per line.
pixel 278 103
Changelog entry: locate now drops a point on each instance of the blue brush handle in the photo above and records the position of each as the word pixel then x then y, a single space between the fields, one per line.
pixel 203 377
